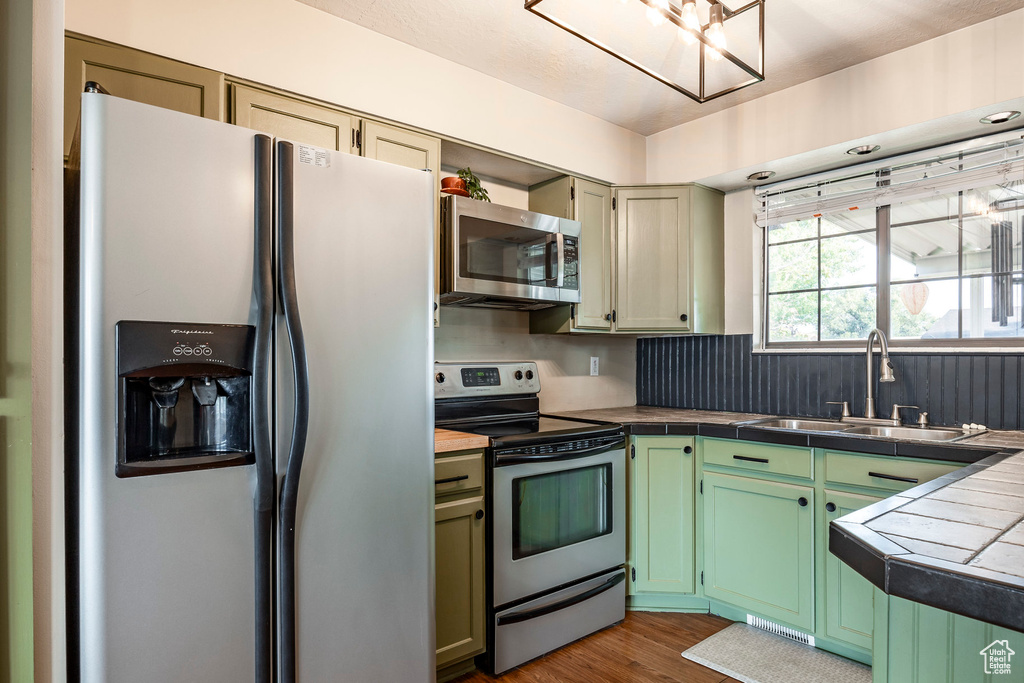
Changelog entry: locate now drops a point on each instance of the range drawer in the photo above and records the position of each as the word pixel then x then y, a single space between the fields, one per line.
pixel 759 457
pixel 458 473
pixel 891 474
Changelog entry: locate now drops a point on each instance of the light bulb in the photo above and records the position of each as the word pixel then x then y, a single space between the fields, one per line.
pixel 716 32
pixel 689 15
pixel 655 16
pixel 686 37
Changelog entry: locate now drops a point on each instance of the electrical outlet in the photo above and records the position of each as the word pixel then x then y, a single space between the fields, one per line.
pixel 593 366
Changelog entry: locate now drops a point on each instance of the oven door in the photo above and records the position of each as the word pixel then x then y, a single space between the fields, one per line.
pixel 498 251
pixel 557 517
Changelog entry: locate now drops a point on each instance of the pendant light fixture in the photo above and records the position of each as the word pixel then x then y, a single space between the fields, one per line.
pixel 669 41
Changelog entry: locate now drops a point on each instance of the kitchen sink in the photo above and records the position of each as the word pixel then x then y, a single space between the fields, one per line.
pixel 802 425
pixel 888 431
pixel 916 433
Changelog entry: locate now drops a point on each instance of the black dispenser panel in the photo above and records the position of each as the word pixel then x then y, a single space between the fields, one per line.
pixel 185 396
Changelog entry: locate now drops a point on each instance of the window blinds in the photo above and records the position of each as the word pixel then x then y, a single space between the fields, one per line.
pixel 942 173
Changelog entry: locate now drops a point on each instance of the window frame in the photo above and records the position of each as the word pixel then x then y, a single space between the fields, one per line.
pixel 883 275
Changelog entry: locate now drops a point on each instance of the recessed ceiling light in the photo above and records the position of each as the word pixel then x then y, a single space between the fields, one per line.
pixel 863 149
pixel 1001 117
pixel 760 175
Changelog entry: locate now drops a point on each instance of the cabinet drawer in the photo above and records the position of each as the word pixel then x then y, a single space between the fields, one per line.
pixel 891 474
pixel 458 473
pixel 759 457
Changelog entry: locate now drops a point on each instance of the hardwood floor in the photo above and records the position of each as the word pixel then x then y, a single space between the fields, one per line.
pixel 646 647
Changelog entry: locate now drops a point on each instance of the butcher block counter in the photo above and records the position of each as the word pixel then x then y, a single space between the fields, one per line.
pixel 447 441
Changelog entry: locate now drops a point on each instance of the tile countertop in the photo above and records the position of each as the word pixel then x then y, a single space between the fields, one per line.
pixel 956 542
pixel 652 420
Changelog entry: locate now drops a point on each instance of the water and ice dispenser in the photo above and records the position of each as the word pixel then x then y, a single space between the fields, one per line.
pixel 185 396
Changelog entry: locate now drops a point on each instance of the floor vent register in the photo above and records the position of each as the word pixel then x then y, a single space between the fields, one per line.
pixel 780 630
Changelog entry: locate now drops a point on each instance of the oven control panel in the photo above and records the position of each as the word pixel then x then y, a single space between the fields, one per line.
pixel 457 380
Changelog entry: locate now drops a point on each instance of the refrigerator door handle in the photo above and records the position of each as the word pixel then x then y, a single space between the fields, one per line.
pixel 300 421
pixel 263 501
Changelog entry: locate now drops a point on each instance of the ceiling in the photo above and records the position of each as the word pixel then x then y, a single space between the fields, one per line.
pixel 804 39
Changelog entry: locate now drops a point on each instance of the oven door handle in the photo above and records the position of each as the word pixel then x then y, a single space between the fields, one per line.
pixel 526 615
pixel 501 460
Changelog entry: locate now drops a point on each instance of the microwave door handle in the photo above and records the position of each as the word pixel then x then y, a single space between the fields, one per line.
pixel 560 246
pixel 556 241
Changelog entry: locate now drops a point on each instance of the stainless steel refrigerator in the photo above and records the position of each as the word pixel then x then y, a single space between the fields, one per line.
pixel 250 411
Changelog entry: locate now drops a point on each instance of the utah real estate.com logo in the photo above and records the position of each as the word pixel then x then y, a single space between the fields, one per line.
pixel 997 657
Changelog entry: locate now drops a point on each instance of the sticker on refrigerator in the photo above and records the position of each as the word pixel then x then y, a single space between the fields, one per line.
pixel 314 156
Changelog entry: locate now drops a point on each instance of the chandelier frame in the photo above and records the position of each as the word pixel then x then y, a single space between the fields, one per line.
pixel 674 15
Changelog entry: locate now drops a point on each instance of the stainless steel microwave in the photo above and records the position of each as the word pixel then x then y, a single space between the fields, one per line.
pixel 495 256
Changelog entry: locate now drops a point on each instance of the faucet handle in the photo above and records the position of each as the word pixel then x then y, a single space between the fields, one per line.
pixel 922 419
pixel 895 417
pixel 844 404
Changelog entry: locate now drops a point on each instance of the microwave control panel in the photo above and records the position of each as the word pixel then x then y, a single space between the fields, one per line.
pixel 456 380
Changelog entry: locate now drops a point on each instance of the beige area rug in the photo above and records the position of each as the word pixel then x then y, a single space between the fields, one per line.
pixel 751 655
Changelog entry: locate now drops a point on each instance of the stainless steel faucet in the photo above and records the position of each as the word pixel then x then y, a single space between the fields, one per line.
pixel 885 374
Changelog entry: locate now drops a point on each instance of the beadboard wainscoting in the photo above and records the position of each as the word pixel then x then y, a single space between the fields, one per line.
pixel 721 372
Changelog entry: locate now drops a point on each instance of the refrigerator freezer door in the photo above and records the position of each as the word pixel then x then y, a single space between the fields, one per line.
pixel 165 575
pixel 363 238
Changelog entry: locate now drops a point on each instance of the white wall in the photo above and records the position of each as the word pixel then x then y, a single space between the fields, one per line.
pixel 924 95
pixel 917 96
pixel 742 262
pixel 563 362
pixel 293 46
pixel 48 558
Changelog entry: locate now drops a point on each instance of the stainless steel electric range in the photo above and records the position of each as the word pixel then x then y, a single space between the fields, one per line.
pixel 556 511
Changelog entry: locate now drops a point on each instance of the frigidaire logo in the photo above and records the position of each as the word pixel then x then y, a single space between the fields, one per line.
pixel 191 332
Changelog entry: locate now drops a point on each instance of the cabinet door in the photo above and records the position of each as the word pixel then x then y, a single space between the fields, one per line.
pixel 663 515
pixel 848 595
pixel 137 76
pixel 459 567
pixel 759 547
pixel 592 206
pixel 292 118
pixel 652 265
pixel 929 645
pixel 414 150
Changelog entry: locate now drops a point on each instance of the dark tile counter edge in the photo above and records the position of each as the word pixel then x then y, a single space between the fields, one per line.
pixel 961 453
pixel 962 589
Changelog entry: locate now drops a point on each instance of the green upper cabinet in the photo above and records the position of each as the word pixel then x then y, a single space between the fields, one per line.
pixel 669 259
pixel 662 528
pixel 403 147
pixel 138 76
pixel 591 204
pixel 848 595
pixel 759 547
pixel 414 150
pixel 293 118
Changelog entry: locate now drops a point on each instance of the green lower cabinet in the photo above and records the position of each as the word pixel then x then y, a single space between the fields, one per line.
pixel 662 533
pixel 849 597
pixel 759 547
pixel 929 645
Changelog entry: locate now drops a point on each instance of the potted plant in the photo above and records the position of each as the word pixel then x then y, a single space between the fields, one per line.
pixel 476 191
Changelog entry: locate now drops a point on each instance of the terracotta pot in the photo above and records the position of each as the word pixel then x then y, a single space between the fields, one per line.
pixel 453 183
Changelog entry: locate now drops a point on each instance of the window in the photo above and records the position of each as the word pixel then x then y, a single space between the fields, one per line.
pixel 928 250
